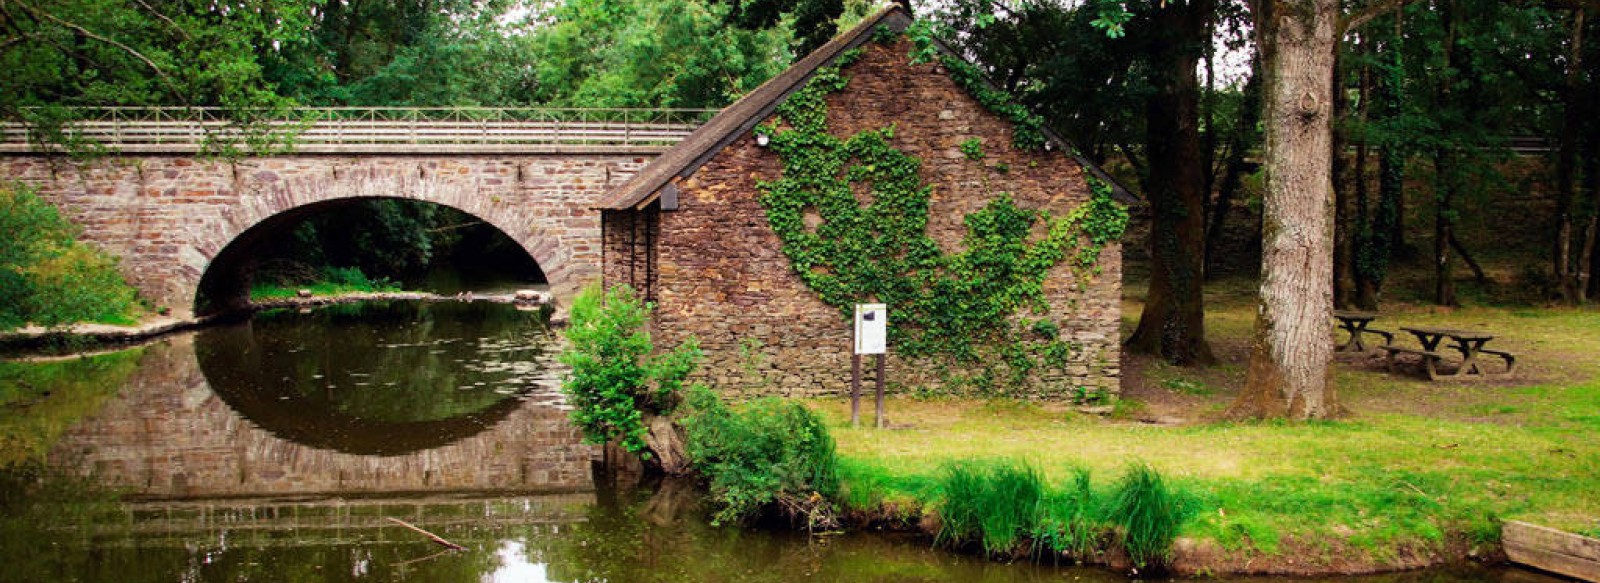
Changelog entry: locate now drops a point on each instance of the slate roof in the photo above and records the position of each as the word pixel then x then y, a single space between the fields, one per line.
pixel 743 115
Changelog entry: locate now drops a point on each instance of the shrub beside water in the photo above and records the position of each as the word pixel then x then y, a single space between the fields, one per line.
pixel 769 454
pixel 47 276
pixel 615 379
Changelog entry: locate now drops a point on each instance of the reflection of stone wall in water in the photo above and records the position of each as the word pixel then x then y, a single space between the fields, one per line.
pixel 167 435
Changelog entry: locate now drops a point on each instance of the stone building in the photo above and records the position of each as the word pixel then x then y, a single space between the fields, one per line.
pixel 691 232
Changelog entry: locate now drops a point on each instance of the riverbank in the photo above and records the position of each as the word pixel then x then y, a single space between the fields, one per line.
pixel 1417 474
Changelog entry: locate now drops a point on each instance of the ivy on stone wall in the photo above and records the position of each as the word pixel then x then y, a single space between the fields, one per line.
pixel 852 214
pixel 1027 127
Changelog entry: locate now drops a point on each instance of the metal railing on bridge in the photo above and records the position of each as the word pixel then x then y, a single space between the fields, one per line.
pixel 365 129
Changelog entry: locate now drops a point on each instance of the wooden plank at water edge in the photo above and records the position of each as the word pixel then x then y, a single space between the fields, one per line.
pixel 1552 550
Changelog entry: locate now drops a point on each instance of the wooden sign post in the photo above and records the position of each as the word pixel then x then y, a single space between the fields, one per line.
pixel 872 337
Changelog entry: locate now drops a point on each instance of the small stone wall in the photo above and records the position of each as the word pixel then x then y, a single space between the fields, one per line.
pixel 721 276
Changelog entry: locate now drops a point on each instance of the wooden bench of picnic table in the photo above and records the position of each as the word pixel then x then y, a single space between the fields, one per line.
pixel 1355 323
pixel 1468 343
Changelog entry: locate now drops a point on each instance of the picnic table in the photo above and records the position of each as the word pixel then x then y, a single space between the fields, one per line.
pixel 1356 324
pixel 1468 343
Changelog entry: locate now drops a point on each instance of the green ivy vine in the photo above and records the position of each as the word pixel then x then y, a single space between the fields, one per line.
pixel 1027 127
pixel 852 214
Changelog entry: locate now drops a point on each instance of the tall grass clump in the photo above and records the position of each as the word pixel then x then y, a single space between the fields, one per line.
pixel 769 454
pixel 1070 520
pixel 1147 515
pixel 992 503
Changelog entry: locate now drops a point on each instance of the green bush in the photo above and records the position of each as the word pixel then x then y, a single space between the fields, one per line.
pixel 995 504
pixel 47 276
pixel 767 452
pixel 615 380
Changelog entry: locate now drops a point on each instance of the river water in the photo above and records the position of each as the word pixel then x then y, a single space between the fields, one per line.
pixel 280 448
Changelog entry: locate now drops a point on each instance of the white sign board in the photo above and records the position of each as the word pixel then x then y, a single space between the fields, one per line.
pixel 872 328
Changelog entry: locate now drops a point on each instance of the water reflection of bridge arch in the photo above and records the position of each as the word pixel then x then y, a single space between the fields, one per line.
pixel 167 435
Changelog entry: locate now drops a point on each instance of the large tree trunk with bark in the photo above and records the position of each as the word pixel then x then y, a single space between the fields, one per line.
pixel 1289 374
pixel 1173 322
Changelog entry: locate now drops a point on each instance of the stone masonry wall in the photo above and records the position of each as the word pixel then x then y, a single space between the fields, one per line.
pixel 723 278
pixel 168 217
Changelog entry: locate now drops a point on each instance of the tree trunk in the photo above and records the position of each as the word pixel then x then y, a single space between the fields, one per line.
pixel 1372 265
pixel 1444 284
pixel 1461 250
pixel 1567 165
pixel 1235 166
pixel 1344 273
pixel 1361 243
pixel 1592 173
pixel 1173 322
pixel 1289 374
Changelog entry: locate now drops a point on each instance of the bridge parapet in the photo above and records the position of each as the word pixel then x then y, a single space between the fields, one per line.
pixel 369 130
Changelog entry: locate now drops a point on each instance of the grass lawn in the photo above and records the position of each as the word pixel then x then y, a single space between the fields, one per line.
pixel 1418 472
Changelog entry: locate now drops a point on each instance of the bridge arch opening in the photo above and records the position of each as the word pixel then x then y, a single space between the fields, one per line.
pixel 415 244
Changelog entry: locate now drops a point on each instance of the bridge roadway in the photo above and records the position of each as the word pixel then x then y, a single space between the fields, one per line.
pixel 178 214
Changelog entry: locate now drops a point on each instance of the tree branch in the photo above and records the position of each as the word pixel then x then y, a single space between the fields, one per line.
pixel 41 15
pixel 1360 17
pixel 163 18
pixel 6 44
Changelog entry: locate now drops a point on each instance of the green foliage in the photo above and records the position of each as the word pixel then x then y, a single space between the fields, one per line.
pixel 972 148
pixel 815 22
pixel 995 504
pixel 944 304
pixel 331 281
pixel 1069 521
pixel 615 380
pixel 767 452
pixel 1090 396
pixel 1147 514
pixel 1004 504
pixel 406 53
pixel 49 278
pixel 110 53
pixel 675 53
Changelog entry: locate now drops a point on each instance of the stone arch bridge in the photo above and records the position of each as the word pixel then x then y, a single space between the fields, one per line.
pixel 173 213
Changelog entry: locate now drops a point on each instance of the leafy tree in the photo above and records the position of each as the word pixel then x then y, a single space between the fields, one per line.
pixel 46 276
pixel 616 381
pixel 1289 374
pixel 674 53
pixel 406 53
pixel 70 53
pixel 1058 59
pixel 815 22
